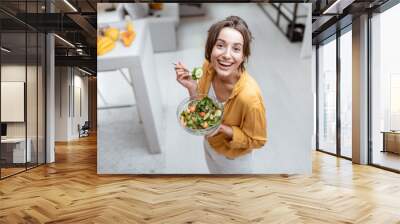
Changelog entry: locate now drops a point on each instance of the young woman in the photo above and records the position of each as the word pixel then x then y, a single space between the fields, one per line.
pixel 243 128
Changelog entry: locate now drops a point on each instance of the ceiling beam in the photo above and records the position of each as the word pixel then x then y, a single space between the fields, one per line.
pixel 81 61
pixel 86 26
pixel 337 7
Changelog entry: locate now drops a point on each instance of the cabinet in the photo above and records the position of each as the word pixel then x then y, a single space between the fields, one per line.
pixel 391 142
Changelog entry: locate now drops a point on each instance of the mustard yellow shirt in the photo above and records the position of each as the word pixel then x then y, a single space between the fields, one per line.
pixel 244 111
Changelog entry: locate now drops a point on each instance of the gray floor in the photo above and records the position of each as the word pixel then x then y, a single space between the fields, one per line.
pixel 275 63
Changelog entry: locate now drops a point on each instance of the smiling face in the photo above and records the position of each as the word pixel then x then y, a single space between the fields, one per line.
pixel 227 53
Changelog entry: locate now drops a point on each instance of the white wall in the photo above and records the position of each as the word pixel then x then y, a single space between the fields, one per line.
pixel 14 73
pixel 33 126
pixel 80 83
pixel 68 82
pixel 61 103
pixel 17 73
pixel 12 101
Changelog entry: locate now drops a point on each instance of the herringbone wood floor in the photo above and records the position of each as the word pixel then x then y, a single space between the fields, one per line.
pixel 70 191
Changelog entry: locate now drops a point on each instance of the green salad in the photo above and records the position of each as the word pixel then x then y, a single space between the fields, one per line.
pixel 201 114
pixel 197 73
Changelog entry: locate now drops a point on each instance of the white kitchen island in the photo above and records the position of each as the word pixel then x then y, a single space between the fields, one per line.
pixel 138 59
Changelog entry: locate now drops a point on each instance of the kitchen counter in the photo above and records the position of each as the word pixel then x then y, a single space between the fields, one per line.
pixel 139 60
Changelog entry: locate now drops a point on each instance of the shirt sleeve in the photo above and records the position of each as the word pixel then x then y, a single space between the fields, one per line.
pixel 253 134
pixel 201 84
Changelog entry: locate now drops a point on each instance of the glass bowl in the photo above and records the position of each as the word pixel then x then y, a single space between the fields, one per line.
pixel 203 131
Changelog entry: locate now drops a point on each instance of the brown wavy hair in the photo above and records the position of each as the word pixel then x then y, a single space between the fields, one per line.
pixel 236 23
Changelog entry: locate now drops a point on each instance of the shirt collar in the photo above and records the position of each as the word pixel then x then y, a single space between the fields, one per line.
pixel 238 86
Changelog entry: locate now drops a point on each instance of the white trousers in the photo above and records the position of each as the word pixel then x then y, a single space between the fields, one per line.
pixel 219 164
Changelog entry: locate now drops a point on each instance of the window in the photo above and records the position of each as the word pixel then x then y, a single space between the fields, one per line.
pixel 346 74
pixel 327 97
pixel 395 102
pixel 385 88
pixel 22 76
